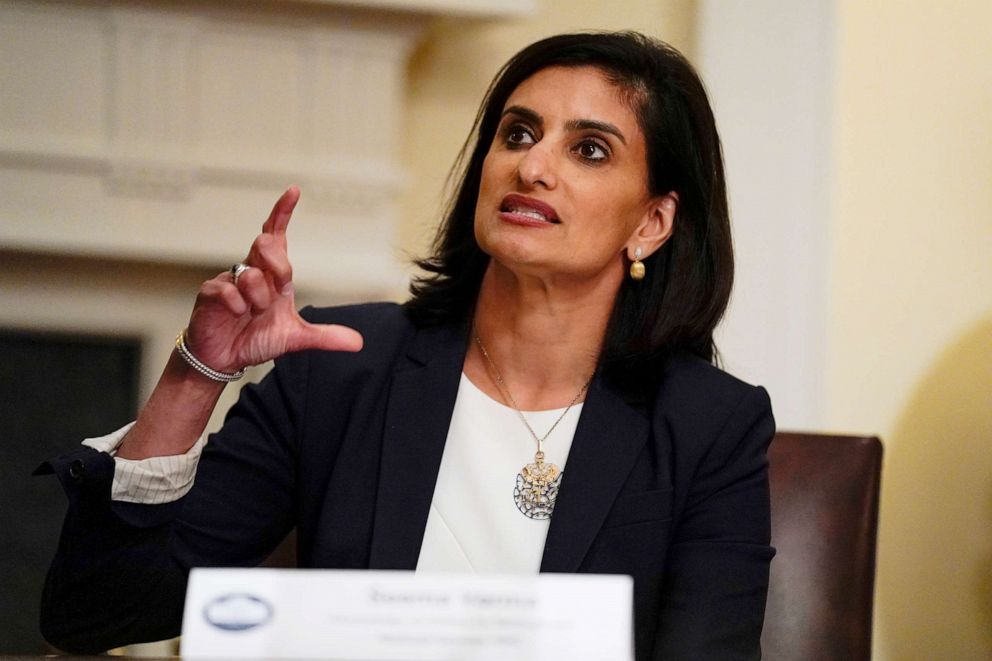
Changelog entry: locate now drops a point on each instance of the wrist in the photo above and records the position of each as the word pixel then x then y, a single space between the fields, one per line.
pixel 175 414
pixel 192 361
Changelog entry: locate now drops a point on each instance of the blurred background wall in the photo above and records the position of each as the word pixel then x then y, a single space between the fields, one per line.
pixel 910 323
pixel 859 147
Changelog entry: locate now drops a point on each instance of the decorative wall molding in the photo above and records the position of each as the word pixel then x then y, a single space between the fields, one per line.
pixel 163 131
pixel 151 100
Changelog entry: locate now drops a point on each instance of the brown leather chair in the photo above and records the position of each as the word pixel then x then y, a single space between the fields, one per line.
pixel 824 494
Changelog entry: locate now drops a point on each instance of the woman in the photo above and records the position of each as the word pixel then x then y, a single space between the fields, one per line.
pixel 567 312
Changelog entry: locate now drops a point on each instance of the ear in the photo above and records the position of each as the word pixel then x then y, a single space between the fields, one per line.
pixel 655 227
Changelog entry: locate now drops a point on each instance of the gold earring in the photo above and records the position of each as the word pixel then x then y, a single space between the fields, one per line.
pixel 637 270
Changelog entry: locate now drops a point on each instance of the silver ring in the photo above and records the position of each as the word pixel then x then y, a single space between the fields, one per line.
pixel 237 270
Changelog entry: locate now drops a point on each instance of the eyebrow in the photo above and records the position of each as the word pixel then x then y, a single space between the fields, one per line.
pixel 571 125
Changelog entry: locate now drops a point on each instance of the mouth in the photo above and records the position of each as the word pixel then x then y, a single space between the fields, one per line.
pixel 527 210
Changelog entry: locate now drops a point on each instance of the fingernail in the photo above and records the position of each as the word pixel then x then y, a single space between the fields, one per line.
pixel 288 289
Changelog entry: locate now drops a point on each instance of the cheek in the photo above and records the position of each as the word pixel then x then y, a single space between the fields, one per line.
pixel 489 179
pixel 609 224
pixel 483 201
pixel 613 209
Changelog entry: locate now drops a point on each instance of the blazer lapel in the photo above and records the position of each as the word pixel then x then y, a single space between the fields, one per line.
pixel 608 439
pixel 418 413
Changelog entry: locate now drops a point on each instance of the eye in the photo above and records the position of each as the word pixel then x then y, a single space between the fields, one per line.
pixel 592 150
pixel 518 135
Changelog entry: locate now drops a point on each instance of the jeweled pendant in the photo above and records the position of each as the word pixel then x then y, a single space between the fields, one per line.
pixel 537 489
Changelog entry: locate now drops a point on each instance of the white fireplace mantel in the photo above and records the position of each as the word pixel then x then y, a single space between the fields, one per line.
pixel 162 131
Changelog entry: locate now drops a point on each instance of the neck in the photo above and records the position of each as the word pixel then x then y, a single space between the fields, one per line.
pixel 544 337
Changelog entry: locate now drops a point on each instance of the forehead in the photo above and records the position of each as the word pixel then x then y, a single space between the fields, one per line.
pixel 575 93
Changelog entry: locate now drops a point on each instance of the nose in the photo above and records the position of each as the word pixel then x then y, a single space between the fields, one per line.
pixel 537 167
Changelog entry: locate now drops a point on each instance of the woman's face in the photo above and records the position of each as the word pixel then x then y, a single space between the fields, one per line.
pixel 564 185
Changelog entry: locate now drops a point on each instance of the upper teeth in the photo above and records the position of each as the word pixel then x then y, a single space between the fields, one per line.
pixel 530 213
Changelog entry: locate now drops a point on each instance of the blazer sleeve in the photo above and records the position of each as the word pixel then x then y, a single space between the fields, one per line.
pixel 119 574
pixel 717 575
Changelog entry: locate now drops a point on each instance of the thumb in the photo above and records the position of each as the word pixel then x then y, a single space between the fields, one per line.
pixel 327 337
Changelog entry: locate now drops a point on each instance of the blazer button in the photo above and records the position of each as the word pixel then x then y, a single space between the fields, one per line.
pixel 77 470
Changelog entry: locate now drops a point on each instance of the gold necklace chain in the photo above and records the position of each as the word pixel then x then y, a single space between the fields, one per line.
pixel 537 484
pixel 501 384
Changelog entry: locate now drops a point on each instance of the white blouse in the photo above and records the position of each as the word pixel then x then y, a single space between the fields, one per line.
pixel 474 525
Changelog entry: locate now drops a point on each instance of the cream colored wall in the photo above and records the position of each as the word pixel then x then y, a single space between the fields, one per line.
pixel 455 63
pixel 910 336
pixel 768 66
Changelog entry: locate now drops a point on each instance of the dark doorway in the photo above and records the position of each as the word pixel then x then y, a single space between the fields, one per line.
pixel 55 390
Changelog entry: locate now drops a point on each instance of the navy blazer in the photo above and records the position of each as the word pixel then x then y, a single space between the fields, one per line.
pixel 346 447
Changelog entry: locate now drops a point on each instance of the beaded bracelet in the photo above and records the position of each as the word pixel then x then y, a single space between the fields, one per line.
pixel 197 364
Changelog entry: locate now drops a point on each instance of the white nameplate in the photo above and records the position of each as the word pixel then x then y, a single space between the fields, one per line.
pixel 402 616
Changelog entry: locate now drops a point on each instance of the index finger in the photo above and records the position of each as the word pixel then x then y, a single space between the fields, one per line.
pixel 282 211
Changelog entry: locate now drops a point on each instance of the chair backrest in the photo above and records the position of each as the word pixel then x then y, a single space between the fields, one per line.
pixel 824 496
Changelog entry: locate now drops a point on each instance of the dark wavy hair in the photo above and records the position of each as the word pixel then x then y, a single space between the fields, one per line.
pixel 677 306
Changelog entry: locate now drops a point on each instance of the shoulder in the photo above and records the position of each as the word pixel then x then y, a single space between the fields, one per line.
pixel 383 325
pixel 385 329
pixel 692 387
pixel 710 417
pixel 383 316
pixel 390 335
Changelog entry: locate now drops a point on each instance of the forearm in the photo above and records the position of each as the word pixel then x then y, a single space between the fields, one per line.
pixel 113 580
pixel 175 415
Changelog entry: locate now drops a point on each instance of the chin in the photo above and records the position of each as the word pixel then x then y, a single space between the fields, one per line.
pixel 514 251
pixel 516 264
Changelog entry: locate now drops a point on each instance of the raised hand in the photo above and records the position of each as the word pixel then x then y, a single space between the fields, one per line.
pixel 237 325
